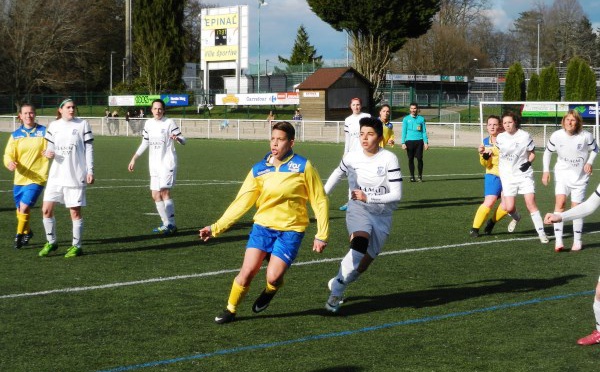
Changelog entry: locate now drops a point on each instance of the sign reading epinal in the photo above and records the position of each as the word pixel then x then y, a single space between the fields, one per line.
pixel 146 100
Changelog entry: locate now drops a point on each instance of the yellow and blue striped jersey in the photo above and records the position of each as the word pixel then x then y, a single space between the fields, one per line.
pixel 25 147
pixel 491 164
pixel 280 195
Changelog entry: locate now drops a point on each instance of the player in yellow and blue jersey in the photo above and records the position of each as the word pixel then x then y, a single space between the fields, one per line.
pixel 280 185
pixel 24 156
pixel 488 157
pixel 388 128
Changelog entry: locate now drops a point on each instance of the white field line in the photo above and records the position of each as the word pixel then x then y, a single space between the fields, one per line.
pixel 229 271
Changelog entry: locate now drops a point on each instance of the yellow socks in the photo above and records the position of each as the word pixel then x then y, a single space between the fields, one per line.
pixel 236 296
pixel 480 216
pixel 500 213
pixel 22 223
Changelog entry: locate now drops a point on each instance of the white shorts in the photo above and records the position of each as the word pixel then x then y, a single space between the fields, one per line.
pixel 566 185
pixel 376 225
pixel 165 181
pixel 518 185
pixel 69 196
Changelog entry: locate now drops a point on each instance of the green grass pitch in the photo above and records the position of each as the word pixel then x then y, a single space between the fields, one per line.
pixel 435 300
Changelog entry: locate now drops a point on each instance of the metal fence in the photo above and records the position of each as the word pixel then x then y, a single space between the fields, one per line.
pixel 449 134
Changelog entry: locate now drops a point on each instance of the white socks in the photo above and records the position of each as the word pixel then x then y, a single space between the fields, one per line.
pixel 77 232
pixel 536 217
pixel 170 211
pixel 348 272
pixel 50 227
pixel 160 208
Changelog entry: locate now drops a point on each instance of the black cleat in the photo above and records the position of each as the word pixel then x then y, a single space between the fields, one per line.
pixel 225 317
pixel 263 301
pixel 19 241
pixel 27 237
pixel 489 226
pixel 474 233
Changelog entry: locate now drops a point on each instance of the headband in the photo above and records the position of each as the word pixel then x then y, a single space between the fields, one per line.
pixel 65 101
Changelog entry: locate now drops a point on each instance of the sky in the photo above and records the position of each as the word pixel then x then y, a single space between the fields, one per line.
pixel 280 20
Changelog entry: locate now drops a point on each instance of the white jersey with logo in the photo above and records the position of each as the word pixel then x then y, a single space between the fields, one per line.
pixel 72 163
pixel 378 176
pixel 573 151
pixel 162 158
pixel 514 150
pixel 352 132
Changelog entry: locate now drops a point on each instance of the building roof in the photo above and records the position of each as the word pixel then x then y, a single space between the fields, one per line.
pixel 325 77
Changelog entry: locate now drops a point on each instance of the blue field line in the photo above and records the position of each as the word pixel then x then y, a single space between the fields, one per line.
pixel 346 333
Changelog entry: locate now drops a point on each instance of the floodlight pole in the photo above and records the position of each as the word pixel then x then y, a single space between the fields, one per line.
pixel 261 3
pixel 537 70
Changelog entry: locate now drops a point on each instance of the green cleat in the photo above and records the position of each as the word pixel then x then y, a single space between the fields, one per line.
pixel 74 252
pixel 165 230
pixel 48 247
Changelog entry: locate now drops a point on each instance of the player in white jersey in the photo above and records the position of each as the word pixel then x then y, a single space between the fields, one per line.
pixel 376 182
pixel 516 149
pixel 160 135
pixel 576 150
pixel 70 145
pixel 352 132
pixel 579 212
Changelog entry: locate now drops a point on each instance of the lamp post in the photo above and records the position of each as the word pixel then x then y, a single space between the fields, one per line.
pixel 266 75
pixel 111 71
pixel 261 3
pixel 537 70
pixel 124 60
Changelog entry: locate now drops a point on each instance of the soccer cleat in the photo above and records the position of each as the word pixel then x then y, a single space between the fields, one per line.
pixel 489 226
pixel 165 230
pixel 344 207
pixel 558 249
pixel 420 179
pixel 74 252
pixel 48 247
pixel 19 241
pixel 27 237
pixel 263 301
pixel 225 317
pixel 333 303
pixel 544 239
pixel 592 339
pixel 474 233
pixel 513 224
pixel 330 284
pixel 412 179
pixel 577 246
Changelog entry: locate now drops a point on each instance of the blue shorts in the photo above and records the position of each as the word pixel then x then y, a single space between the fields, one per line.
pixel 282 244
pixel 492 185
pixel 27 194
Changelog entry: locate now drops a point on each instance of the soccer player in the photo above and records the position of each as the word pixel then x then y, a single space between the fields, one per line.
pixel 70 142
pixel 388 127
pixel 279 185
pixel 414 140
pixel 161 134
pixel 352 132
pixel 576 150
pixel 579 212
pixel 24 156
pixel 492 189
pixel 516 150
pixel 376 183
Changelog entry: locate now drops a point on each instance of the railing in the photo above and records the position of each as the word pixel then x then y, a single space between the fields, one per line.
pixel 439 134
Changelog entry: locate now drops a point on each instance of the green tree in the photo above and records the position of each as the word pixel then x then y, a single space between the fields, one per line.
pixel 572 79
pixel 514 88
pixel 302 52
pixel 549 85
pixel 533 88
pixel 377 29
pixel 586 85
pixel 159 44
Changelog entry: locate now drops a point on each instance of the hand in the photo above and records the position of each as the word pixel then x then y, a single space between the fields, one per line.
pixel 49 154
pixel 90 179
pixel 205 233
pixel 12 166
pixel 551 218
pixel 391 142
pixel 426 146
pixel 358 195
pixel 587 168
pixel 481 149
pixel 403 146
pixel 131 165
pixel 319 245
pixel 525 166
pixel 545 178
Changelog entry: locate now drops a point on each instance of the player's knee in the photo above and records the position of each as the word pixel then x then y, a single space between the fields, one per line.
pixel 359 244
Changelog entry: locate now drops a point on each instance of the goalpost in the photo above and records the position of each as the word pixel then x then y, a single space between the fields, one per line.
pixel 541 119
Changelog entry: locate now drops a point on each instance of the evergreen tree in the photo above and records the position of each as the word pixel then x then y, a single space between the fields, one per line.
pixel 159 44
pixel 533 88
pixel 572 79
pixel 302 52
pixel 514 88
pixel 586 85
pixel 549 89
